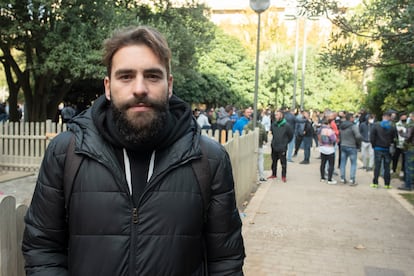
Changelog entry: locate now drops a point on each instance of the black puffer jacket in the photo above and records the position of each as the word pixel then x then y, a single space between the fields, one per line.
pixel 101 236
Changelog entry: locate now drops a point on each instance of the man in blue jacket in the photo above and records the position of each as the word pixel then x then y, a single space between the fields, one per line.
pixel 383 135
pixel 243 121
pixel 136 207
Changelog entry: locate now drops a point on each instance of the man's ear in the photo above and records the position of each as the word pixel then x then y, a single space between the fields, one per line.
pixel 107 85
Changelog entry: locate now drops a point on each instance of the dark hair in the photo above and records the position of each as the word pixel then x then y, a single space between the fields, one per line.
pixel 348 116
pixel 137 36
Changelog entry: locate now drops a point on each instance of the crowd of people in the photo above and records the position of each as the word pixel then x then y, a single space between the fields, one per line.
pixel 385 145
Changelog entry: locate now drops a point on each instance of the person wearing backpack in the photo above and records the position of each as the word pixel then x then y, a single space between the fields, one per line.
pixel 327 140
pixel 136 203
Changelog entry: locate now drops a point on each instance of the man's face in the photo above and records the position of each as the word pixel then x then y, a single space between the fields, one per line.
pixel 278 115
pixel 138 89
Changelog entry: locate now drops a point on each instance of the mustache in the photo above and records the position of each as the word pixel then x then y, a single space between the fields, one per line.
pixel 144 100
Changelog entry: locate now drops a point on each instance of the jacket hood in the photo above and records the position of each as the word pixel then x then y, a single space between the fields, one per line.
pixel 179 122
pixel 222 113
pixel 346 124
pixel 385 124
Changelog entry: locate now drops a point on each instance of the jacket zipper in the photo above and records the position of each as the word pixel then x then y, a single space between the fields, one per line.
pixel 135 215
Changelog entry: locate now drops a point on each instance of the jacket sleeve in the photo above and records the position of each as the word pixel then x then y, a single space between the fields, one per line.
pixel 224 242
pixel 373 136
pixel 357 134
pixel 44 243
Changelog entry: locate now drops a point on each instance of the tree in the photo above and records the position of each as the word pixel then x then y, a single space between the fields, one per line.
pixel 227 72
pixel 325 86
pixel 378 33
pixel 276 78
pixel 56 42
pixel 392 88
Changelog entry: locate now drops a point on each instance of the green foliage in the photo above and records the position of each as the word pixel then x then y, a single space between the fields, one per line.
pixel 56 42
pixel 325 87
pixel 392 88
pixel 228 72
pixel 59 45
pixel 380 32
pixel 276 78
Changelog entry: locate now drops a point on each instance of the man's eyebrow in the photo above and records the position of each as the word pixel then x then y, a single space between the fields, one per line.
pixel 121 72
pixel 154 71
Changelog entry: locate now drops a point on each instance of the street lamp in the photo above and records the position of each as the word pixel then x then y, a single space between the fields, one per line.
pixel 295 64
pixel 258 6
pixel 302 94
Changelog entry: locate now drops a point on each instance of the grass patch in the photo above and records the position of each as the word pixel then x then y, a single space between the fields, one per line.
pixel 408 197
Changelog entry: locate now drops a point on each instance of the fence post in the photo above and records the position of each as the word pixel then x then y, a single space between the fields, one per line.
pixel 20 225
pixel 8 236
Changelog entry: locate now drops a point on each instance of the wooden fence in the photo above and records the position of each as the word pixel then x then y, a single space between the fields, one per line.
pixel 22 144
pixel 22 147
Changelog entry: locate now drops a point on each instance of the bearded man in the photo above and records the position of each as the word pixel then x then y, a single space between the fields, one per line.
pixel 136 206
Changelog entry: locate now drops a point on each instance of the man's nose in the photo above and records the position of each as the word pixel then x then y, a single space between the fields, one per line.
pixel 140 86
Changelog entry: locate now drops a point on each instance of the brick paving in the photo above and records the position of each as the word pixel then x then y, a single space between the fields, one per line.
pixel 305 227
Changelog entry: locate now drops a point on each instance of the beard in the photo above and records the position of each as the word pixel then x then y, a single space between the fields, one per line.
pixel 140 127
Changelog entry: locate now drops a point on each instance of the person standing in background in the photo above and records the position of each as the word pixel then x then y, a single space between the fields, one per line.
pixel 327 140
pixel 291 120
pixel 383 135
pixel 350 143
pixel 242 121
pixel 409 155
pixel 282 133
pixel 401 127
pixel 307 138
pixel 367 152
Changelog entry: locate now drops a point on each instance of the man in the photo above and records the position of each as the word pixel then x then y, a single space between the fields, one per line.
pixel 409 154
pixel 367 152
pixel 350 143
pixel 338 121
pixel 212 118
pixel 401 127
pixel 202 120
pixel 135 206
pixel 265 120
pixel 224 122
pixel 291 120
pixel 307 138
pixel 382 136
pixel 299 129
pixel 282 133
pixel 243 121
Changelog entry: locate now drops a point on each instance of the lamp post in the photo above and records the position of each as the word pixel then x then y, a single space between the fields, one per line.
pixel 258 6
pixel 295 65
pixel 302 94
pixel 295 70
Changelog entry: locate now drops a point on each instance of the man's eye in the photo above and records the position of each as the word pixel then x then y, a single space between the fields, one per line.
pixel 125 77
pixel 153 77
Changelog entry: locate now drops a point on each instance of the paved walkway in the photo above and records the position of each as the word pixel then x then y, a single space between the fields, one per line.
pixel 305 227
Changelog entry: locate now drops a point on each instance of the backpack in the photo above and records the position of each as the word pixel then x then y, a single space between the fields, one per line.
pixel 200 167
